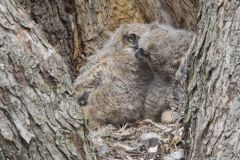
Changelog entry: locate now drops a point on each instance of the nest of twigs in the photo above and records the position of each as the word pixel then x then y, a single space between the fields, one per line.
pixel 128 142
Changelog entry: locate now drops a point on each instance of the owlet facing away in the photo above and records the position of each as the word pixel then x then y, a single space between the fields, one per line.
pixel 123 82
pixel 162 48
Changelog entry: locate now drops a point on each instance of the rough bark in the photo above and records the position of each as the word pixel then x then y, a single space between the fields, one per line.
pixel 76 28
pixel 212 72
pixel 56 18
pixel 39 118
pixel 96 18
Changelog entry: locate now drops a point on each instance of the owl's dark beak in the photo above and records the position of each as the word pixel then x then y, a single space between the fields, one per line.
pixel 140 54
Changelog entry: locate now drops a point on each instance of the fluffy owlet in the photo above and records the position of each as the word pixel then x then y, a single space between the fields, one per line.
pixel 162 48
pixel 130 78
pixel 112 85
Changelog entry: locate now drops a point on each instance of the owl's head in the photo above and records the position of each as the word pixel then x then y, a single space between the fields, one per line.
pixel 134 39
pixel 125 39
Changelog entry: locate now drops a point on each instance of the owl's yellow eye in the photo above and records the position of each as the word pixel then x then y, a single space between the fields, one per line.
pixel 131 38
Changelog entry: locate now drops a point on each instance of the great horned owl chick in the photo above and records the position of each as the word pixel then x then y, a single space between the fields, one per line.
pixel 113 83
pixel 163 48
pixel 130 78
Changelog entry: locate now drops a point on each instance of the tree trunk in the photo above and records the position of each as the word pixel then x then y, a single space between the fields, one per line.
pixel 77 27
pixel 213 83
pixel 39 118
pixel 95 19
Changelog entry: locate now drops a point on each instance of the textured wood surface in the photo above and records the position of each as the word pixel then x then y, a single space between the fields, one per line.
pixel 39 118
pixel 212 76
pixel 77 28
